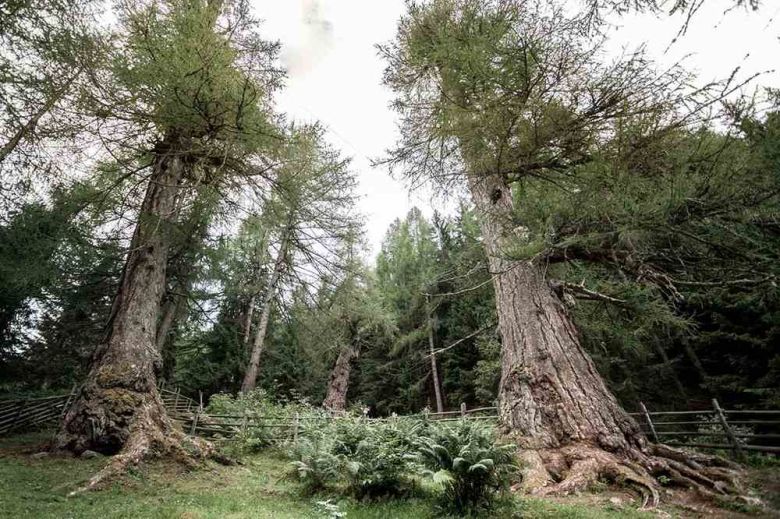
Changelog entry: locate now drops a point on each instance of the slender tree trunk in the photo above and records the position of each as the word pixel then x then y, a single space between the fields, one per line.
pixel 29 127
pixel 434 367
pixel 669 370
pixel 179 283
pixel 118 407
pixel 250 378
pixel 169 311
pixel 338 385
pixel 247 326
pixel 165 338
pixel 695 361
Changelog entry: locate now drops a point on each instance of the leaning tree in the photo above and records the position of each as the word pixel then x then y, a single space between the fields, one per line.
pixel 350 315
pixel 306 217
pixel 500 95
pixel 184 102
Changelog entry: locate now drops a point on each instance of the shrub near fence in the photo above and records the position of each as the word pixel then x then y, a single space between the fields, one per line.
pixel 739 430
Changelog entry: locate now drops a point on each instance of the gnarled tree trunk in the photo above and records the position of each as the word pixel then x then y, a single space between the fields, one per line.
pixel 118 408
pixel 338 384
pixel 552 400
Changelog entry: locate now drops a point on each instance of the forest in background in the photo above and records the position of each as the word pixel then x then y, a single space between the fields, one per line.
pixel 616 239
pixel 718 340
pixel 708 328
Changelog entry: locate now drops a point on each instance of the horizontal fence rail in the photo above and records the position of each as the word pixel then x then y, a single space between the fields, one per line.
pixel 23 414
pixel 739 430
pixel 716 428
pixel 26 413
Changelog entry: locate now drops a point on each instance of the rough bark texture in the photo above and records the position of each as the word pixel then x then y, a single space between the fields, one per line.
pixel 118 408
pixel 338 384
pixel 552 401
pixel 252 370
pixel 550 393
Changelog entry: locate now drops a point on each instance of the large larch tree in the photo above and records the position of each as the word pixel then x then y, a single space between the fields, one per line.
pixel 496 95
pixel 192 78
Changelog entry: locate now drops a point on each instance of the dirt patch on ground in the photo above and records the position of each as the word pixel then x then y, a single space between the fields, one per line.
pixel 678 503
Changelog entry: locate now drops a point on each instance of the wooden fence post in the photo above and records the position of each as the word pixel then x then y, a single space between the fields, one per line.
pixel 649 422
pixel 176 402
pixel 295 429
pixel 463 409
pixel 68 400
pixel 194 423
pixel 200 401
pixel 727 429
pixel 244 423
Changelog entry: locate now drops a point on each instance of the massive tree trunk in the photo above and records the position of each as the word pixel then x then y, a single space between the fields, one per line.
pixel 250 377
pixel 118 408
pixel 338 385
pixel 552 400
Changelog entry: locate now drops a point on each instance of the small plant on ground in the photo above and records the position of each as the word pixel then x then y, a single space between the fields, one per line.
pixel 329 509
pixel 367 458
pixel 465 460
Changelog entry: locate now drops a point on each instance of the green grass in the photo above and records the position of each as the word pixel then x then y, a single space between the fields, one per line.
pixel 38 488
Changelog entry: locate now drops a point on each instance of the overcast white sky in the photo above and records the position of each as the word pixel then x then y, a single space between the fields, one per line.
pixel 328 47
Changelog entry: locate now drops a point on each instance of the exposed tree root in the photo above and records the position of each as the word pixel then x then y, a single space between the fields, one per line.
pixel 576 467
pixel 153 434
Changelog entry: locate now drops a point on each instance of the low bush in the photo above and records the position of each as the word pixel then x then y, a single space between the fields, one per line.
pixel 375 459
pixel 268 419
pixel 376 463
pixel 315 465
pixel 368 458
pixel 465 460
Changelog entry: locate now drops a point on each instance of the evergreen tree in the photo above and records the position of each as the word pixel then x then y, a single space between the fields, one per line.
pixel 192 78
pixel 308 216
pixel 507 98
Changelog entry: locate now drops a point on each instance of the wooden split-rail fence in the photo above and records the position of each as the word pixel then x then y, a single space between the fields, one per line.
pixel 739 430
pixel 23 414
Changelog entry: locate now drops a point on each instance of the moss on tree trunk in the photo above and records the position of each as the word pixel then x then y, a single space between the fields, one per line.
pixel 118 409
